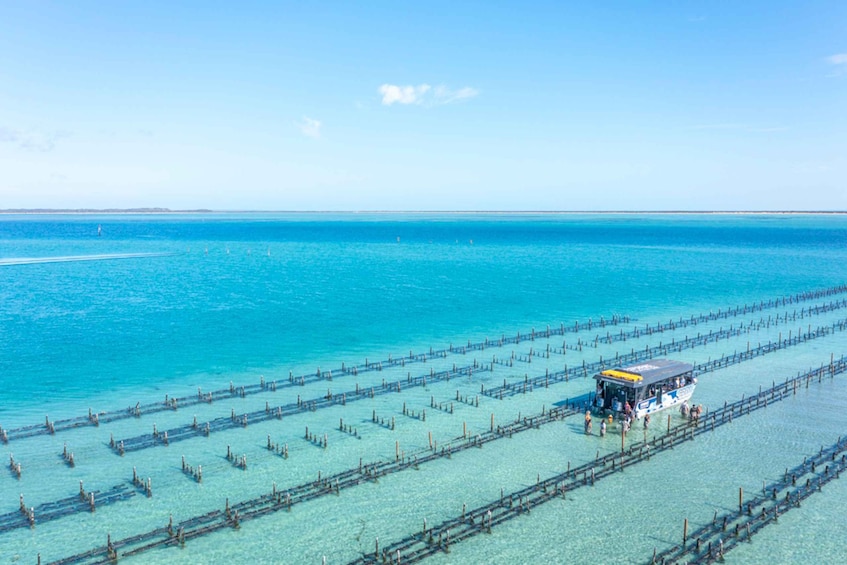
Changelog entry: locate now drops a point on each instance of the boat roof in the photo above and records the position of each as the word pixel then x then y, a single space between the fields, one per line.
pixel 646 373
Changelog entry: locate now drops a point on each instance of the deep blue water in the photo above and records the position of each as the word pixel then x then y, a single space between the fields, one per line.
pixel 339 287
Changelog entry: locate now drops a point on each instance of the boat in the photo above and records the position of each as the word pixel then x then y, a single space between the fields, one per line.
pixel 645 388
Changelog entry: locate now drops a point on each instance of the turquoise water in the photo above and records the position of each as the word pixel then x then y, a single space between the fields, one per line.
pixel 209 299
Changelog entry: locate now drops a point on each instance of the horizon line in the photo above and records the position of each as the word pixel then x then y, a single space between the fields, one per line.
pixel 157 210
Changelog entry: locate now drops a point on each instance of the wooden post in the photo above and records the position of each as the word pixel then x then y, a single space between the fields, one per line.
pixel 684 532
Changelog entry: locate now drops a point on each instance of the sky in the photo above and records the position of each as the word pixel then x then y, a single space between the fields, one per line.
pixel 429 105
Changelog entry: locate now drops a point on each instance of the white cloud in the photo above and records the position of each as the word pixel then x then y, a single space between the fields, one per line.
pixel 445 96
pixel 392 93
pixel 424 94
pixel 31 140
pixel 309 127
pixel 839 61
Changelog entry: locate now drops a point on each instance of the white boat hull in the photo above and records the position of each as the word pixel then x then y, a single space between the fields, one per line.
pixel 669 399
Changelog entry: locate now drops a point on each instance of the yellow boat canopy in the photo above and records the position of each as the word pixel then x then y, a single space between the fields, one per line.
pixel 621 375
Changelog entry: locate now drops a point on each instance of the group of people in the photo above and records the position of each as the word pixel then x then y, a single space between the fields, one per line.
pixel 673 384
pixel 692 413
pixel 626 423
pixel 602 424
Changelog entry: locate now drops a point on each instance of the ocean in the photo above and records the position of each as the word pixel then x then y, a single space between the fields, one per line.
pixel 162 305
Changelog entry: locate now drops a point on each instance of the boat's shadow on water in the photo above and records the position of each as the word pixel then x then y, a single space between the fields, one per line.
pixel 582 400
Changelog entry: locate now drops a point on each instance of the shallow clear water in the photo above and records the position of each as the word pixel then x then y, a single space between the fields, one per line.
pixel 216 298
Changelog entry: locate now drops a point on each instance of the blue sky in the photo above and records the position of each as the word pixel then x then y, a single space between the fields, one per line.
pixel 424 105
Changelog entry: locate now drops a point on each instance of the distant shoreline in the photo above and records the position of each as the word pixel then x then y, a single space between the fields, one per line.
pixel 166 211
